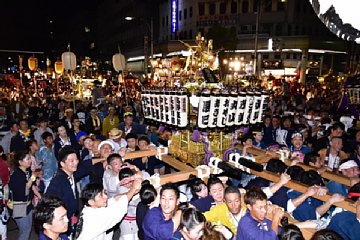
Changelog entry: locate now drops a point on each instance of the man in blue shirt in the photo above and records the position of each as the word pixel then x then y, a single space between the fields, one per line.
pixel 346 223
pixel 63 183
pixel 50 219
pixel 349 169
pixel 160 223
pixel 47 159
pixel 305 207
pixel 254 225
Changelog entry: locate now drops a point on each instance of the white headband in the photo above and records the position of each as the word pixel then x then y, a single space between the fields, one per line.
pixel 347 165
pixel 106 142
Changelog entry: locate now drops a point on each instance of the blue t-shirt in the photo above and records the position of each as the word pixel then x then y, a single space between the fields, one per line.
pixel 178 236
pixel 156 227
pixel 203 204
pixel 346 224
pixel 335 187
pixel 260 144
pixel 250 229
pixel 306 210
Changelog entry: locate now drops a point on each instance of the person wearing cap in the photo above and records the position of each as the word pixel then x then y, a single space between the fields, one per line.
pixel 43 127
pixel 349 169
pixel 105 148
pixel 80 136
pixel 347 223
pixel 115 136
pixel 111 121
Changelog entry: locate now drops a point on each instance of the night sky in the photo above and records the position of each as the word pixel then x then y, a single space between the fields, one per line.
pixel 26 25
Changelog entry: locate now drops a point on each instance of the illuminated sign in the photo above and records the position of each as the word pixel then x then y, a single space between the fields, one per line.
pixel 174 15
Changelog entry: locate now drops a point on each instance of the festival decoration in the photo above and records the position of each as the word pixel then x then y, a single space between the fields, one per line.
pixel 204 113
pixel 59 68
pixel 33 63
pixel 118 61
pixel 69 60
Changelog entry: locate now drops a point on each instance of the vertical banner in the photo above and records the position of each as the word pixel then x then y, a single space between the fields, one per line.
pixel 174 16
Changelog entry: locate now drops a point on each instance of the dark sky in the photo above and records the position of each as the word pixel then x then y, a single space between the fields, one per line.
pixel 26 25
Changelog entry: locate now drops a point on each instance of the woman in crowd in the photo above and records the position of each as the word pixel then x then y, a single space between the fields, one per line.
pixel 191 226
pixel 21 187
pixel 216 195
pixel 62 140
pixel 148 199
pixel 197 187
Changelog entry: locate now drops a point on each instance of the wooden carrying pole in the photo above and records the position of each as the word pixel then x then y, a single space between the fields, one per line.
pixel 264 156
pixel 185 173
pixel 346 204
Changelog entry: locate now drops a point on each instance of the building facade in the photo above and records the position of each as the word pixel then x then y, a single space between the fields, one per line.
pixel 287 31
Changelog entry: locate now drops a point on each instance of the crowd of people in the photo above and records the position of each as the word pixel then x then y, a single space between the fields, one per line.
pixel 63 171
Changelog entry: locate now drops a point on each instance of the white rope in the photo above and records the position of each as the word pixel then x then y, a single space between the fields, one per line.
pixel 214 162
pixel 160 153
pixel 234 158
pixel 154 180
pixel 284 154
pixel 200 173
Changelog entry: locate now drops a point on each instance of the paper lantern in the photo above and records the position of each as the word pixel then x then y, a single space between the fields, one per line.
pixel 68 60
pixel 59 68
pixel 255 112
pixel 223 109
pixel 182 103
pixel 33 63
pixel 240 108
pixel 118 61
pixel 204 110
pixel 214 108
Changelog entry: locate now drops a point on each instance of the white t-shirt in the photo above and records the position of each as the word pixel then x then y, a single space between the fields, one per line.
pixel 97 220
